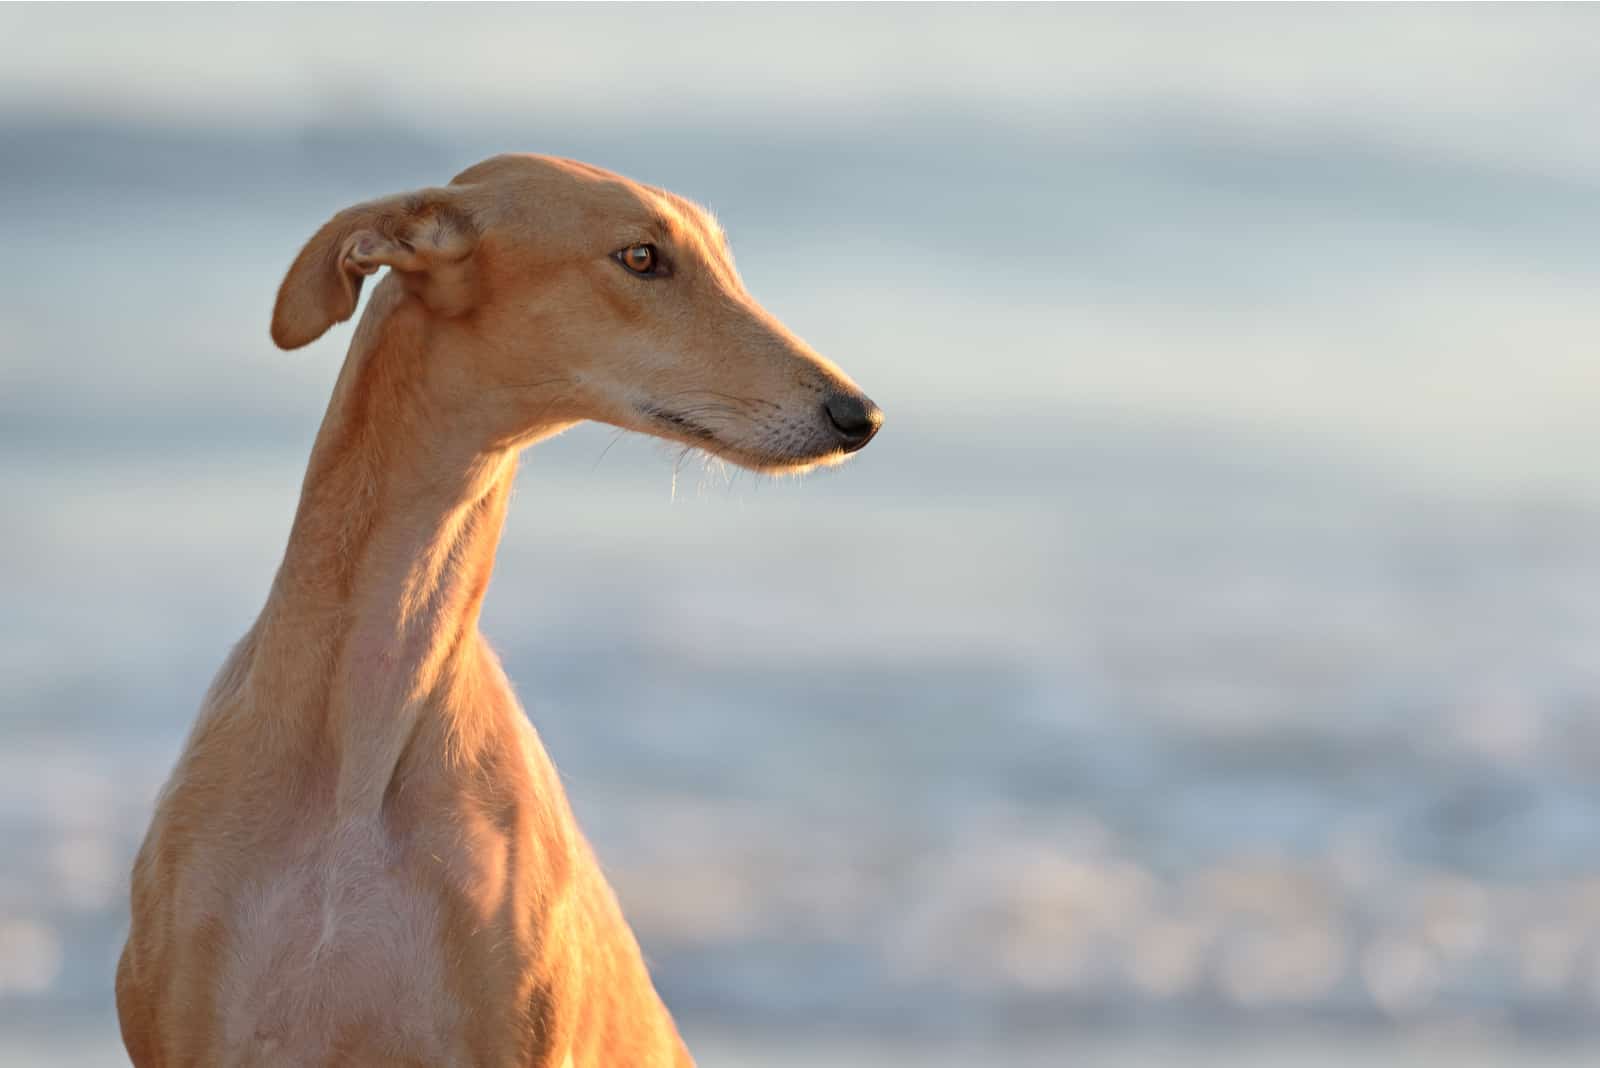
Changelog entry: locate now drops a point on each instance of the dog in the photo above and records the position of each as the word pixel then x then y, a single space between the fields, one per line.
pixel 364 855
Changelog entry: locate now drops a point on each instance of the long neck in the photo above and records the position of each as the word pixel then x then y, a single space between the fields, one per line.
pixel 372 620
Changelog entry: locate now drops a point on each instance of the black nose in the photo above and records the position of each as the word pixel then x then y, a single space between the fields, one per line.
pixel 854 417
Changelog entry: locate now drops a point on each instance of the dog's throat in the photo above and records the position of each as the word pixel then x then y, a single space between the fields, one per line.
pixel 388 561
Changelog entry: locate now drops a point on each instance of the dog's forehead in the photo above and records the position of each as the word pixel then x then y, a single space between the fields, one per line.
pixel 592 192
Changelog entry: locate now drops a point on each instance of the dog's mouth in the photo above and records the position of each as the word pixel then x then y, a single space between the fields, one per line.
pixel 779 457
pixel 682 424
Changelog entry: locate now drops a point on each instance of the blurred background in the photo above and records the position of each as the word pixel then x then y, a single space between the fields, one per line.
pixel 1203 666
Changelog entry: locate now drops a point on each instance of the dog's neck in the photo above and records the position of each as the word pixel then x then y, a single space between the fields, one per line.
pixel 391 551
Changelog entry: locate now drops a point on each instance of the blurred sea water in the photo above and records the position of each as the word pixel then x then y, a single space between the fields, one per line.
pixel 1203 666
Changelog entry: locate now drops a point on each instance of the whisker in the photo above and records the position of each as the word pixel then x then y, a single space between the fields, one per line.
pixel 676 466
pixel 615 437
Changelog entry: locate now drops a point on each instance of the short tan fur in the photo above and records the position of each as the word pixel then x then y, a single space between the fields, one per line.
pixel 364 855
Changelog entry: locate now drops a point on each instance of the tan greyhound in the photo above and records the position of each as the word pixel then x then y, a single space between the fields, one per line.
pixel 364 856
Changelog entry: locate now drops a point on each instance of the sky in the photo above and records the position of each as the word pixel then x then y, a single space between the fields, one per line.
pixel 1389 199
pixel 1495 83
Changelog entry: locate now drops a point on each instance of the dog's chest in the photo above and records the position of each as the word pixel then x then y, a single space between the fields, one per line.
pixel 336 954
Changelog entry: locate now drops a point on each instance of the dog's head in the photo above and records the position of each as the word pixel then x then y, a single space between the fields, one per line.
pixel 567 292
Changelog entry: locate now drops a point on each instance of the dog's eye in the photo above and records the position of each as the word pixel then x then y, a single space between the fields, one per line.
pixel 641 259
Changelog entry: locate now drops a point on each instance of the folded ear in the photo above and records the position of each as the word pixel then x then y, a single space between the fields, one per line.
pixel 426 235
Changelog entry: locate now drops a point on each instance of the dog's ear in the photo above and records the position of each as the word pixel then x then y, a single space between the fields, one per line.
pixel 426 236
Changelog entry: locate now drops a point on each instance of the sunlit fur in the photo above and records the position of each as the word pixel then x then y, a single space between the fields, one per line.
pixel 364 856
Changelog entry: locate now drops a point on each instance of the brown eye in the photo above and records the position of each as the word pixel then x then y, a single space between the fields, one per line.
pixel 640 259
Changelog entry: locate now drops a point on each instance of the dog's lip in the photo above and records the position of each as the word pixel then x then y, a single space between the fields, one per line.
pixel 681 423
pixel 756 458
